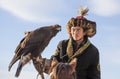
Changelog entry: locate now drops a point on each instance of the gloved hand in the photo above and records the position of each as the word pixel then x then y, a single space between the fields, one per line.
pixel 42 65
pixel 47 65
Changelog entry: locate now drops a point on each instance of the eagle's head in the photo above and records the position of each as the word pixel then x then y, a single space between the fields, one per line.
pixel 55 29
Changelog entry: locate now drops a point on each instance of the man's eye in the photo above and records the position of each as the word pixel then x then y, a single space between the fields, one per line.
pixel 78 29
pixel 73 29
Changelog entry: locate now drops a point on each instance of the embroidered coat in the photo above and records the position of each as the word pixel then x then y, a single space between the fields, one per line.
pixel 87 58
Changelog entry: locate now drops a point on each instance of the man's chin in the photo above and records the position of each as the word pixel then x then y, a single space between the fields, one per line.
pixel 77 39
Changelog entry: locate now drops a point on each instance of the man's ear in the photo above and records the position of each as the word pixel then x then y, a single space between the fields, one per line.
pixel 73 63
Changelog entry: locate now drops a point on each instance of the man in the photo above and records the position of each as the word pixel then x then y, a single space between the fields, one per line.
pixel 78 46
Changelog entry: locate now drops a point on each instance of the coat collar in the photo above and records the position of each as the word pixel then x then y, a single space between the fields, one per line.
pixel 70 51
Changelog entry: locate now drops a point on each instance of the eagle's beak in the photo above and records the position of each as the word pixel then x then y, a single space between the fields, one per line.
pixel 58 27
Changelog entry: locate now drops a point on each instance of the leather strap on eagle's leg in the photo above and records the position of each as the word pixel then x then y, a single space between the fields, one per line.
pixel 38 64
pixel 47 65
pixel 42 65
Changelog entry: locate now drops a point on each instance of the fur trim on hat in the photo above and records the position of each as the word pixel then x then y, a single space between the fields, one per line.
pixel 88 26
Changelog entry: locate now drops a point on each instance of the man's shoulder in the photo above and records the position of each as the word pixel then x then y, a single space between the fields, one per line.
pixel 93 48
pixel 64 41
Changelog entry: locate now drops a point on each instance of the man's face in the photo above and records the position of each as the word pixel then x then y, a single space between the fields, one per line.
pixel 77 33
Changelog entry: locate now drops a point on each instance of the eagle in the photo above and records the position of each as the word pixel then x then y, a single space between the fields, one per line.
pixel 32 45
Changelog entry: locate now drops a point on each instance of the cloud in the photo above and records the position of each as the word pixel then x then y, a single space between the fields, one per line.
pixel 105 7
pixel 35 10
pixel 53 10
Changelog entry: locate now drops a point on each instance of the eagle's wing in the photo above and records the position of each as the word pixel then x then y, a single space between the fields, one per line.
pixel 28 44
pixel 17 55
pixel 36 37
pixel 37 41
pixel 32 45
pixel 20 44
pixel 30 49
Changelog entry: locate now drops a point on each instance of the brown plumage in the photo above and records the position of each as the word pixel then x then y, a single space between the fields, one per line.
pixel 32 45
pixel 42 65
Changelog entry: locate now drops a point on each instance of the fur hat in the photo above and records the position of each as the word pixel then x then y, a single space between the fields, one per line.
pixel 88 26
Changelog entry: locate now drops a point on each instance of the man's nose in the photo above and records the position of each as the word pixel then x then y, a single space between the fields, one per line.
pixel 75 31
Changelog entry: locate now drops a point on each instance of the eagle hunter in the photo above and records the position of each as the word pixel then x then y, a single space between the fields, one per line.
pixel 32 45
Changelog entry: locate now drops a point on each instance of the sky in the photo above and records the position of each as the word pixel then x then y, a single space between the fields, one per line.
pixel 18 16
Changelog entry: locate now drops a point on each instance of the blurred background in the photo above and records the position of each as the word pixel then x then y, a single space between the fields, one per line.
pixel 18 16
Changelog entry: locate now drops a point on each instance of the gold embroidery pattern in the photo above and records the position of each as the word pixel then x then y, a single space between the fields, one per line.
pixel 98 67
pixel 70 48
